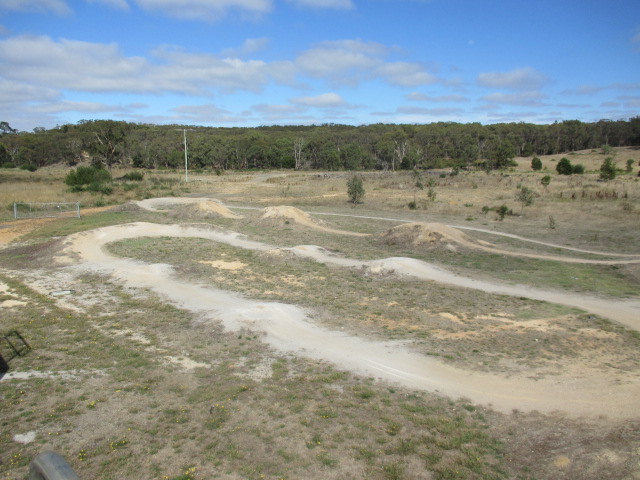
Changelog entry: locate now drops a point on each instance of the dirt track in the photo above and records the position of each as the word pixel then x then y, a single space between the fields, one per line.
pixel 289 329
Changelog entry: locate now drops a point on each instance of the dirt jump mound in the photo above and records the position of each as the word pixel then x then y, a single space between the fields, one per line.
pixel 203 209
pixel 288 213
pixel 127 207
pixel 429 235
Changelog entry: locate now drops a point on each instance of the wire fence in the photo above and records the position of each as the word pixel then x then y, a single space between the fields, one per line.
pixel 46 210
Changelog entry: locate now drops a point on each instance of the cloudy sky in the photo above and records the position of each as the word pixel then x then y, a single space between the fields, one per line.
pixel 266 62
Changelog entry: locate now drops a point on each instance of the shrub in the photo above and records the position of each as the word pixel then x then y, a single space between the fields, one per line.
pixel 502 211
pixel 134 176
pixel 536 163
pixel 525 196
pixel 564 166
pixel 92 179
pixel 578 169
pixel 608 169
pixel 545 181
pixel 355 189
pixel 8 165
pixel 30 167
pixel 629 168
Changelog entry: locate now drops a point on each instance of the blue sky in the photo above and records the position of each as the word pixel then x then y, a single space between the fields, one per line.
pixel 277 62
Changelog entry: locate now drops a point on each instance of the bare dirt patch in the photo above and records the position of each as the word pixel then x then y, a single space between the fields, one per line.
pixel 287 213
pixel 202 209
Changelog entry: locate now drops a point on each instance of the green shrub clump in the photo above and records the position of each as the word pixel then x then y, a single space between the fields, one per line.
pixel 91 179
pixel 536 164
pixel 355 189
pixel 564 166
pixel 577 169
pixel 134 176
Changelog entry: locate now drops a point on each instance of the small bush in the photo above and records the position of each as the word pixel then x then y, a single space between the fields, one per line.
pixel 87 175
pixel 30 167
pixel 502 211
pixel 545 181
pixel 355 189
pixel 8 165
pixel 608 169
pixel 629 167
pixel 135 176
pixel 103 188
pixel 92 179
pixel 536 163
pixel 564 166
pixel 578 169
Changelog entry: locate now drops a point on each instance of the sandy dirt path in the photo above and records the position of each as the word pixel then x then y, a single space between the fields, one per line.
pixel 289 329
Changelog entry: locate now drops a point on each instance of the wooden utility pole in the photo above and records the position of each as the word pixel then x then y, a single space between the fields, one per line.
pixel 186 156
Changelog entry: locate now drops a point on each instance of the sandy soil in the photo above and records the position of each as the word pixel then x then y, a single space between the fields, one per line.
pixel 298 216
pixel 187 207
pixel 289 328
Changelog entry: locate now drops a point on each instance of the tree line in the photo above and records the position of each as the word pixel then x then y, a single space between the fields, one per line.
pixel 322 147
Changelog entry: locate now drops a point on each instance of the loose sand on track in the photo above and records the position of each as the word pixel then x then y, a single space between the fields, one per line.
pixel 289 328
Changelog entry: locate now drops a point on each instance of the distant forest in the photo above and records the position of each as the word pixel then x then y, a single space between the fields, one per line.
pixel 322 147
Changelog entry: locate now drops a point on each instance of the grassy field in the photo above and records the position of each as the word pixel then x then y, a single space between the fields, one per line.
pixel 123 384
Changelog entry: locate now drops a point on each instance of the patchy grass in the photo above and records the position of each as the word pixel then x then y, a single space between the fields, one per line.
pixel 124 408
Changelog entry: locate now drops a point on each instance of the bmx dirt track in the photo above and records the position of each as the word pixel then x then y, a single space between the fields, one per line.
pixel 288 328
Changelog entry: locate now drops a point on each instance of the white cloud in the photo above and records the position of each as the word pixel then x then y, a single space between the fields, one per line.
pixel 348 62
pixel 630 101
pixel 207 10
pixel 201 110
pixel 58 7
pixel 18 93
pixel 588 89
pixel 198 72
pixel 522 98
pixel 338 4
pixel 341 60
pixel 437 112
pixel 119 4
pixel 202 114
pixel 520 79
pixel 325 100
pixel 249 46
pixel 505 117
pixel 274 113
pixel 405 74
pixel 72 106
pixel 421 97
pixel 57 64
